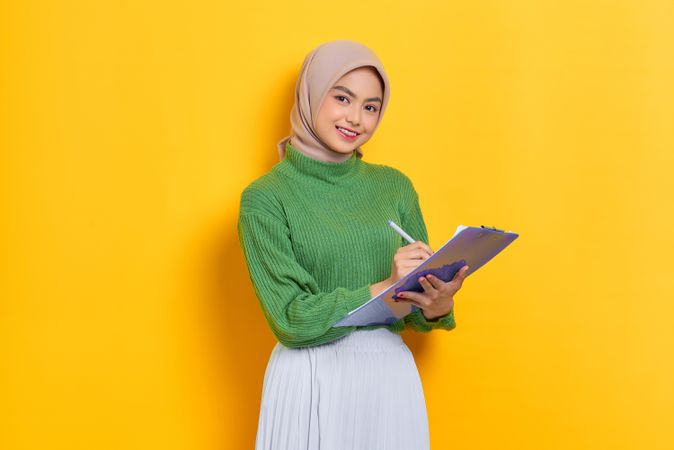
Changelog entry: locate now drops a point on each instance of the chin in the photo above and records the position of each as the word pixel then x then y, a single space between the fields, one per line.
pixel 344 149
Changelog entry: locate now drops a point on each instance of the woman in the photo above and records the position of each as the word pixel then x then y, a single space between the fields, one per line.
pixel 317 245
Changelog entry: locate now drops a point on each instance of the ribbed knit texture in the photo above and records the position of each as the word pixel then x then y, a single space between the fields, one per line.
pixel 315 237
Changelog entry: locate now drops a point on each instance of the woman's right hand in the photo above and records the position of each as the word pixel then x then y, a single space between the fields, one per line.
pixel 407 258
pixel 404 261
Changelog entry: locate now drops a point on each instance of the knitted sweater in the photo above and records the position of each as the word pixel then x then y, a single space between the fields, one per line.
pixel 314 237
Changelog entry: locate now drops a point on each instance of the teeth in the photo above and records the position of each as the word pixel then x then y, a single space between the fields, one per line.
pixel 350 133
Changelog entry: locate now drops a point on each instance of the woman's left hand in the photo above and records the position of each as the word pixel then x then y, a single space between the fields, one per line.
pixel 438 296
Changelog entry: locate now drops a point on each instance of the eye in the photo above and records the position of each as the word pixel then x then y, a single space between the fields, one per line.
pixel 339 97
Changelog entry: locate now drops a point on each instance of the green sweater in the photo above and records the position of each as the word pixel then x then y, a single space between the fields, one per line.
pixel 314 237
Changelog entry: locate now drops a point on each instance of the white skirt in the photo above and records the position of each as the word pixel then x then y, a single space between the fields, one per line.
pixel 362 391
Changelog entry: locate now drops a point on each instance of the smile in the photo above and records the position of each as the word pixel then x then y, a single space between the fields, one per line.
pixel 346 133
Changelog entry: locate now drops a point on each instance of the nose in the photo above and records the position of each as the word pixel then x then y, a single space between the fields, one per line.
pixel 353 116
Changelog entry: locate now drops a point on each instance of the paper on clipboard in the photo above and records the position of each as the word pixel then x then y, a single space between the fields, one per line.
pixel 475 245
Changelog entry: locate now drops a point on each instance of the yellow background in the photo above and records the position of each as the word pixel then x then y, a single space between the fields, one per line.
pixel 129 129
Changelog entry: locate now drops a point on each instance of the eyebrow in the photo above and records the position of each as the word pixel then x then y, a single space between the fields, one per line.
pixel 348 91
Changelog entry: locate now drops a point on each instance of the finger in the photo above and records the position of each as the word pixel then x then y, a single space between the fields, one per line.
pixel 428 287
pixel 408 301
pixel 426 247
pixel 457 281
pixel 461 274
pixel 436 282
pixel 420 245
pixel 415 253
pixel 413 297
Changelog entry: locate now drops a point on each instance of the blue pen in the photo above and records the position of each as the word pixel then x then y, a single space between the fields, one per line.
pixel 400 231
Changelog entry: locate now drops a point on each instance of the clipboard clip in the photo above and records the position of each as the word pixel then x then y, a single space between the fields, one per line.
pixel 491 228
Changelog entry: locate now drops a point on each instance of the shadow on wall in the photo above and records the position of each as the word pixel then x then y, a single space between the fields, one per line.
pixel 241 339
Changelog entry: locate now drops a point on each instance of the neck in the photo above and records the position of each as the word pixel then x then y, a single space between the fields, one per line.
pixel 304 167
pixel 322 154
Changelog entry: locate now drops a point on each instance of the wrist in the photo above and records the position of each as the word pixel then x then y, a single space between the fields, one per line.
pixel 376 288
pixel 429 319
pixel 434 318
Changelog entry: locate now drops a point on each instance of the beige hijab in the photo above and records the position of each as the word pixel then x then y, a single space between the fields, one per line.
pixel 321 69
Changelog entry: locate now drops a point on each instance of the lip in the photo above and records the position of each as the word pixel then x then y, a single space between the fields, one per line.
pixel 349 138
pixel 344 136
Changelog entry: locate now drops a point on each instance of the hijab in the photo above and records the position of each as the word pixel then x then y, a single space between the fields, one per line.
pixel 321 69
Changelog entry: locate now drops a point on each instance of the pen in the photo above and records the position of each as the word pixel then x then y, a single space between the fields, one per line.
pixel 400 231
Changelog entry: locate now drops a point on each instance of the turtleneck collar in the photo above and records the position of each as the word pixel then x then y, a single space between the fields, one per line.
pixel 331 172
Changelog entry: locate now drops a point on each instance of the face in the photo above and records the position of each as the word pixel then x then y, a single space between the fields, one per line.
pixel 352 103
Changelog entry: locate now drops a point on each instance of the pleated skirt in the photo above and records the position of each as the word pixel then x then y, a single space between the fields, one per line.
pixel 361 392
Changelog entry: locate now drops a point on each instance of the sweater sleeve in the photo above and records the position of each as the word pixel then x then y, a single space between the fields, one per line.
pixel 297 311
pixel 412 221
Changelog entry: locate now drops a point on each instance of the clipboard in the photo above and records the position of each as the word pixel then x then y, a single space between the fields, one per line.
pixel 474 246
